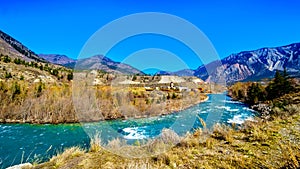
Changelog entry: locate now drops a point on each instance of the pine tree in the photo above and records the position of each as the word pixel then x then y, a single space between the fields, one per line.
pixel 70 76
pixel 279 86
pixel 287 86
pixel 255 93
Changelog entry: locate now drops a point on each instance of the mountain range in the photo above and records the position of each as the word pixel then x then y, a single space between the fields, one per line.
pixel 98 62
pixel 248 65
pixel 15 49
pixel 254 65
pixel 243 66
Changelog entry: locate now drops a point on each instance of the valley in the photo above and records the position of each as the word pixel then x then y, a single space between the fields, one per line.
pixel 185 112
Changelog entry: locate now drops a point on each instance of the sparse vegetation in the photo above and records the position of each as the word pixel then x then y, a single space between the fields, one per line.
pixel 58 71
pixel 256 144
pixel 38 98
pixel 259 144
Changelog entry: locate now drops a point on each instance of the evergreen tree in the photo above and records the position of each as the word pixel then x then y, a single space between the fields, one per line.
pixel 287 86
pixel 279 86
pixel 16 90
pixel 70 76
pixel 255 93
pixel 41 67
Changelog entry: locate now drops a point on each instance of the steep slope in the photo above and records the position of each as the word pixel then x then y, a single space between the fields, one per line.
pixel 255 64
pixel 6 49
pixel 14 48
pixel 17 62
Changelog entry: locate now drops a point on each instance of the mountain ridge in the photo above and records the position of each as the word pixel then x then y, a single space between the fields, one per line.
pixel 25 52
pixel 98 62
pixel 57 59
pixel 242 66
pixel 252 64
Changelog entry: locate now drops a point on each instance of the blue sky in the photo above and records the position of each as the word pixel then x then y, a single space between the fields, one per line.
pixel 63 27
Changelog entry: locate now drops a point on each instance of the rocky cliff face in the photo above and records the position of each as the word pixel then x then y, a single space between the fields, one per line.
pixel 254 64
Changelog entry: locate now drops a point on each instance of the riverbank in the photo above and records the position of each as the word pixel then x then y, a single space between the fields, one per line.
pixel 17 138
pixel 39 103
pixel 169 109
pixel 259 144
pixel 262 143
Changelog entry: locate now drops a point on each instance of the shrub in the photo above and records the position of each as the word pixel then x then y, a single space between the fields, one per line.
pixel 8 75
pixel 70 76
pixel 6 59
pixel 17 61
pixel 174 96
pixel 134 78
pixel 16 90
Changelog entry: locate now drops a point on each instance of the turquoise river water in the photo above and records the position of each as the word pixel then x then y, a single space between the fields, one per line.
pixel 21 143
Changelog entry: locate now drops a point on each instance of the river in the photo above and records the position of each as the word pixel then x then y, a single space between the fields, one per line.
pixel 20 143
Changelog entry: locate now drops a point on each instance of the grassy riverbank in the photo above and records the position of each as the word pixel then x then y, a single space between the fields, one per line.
pixel 261 144
pixel 28 102
pixel 271 142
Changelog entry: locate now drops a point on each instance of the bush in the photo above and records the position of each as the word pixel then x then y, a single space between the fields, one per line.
pixel 174 96
pixel 16 90
pixel 54 72
pixel 134 78
pixel 39 89
pixel 8 75
pixel 6 59
pixel 70 76
pixel 17 61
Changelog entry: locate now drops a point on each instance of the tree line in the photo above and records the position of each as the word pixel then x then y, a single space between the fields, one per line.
pixel 255 92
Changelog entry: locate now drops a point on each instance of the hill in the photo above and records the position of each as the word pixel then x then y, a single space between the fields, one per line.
pixel 257 64
pixel 58 59
pixel 97 62
pixel 17 62
pixel 248 65
pixel 14 48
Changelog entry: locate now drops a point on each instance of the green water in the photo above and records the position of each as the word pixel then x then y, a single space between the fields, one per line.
pixel 21 143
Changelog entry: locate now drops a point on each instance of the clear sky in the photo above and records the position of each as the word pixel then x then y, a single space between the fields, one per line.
pixel 63 26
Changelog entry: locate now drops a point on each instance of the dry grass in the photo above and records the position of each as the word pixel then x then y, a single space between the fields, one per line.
pixel 261 144
pixel 60 160
pixel 62 101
